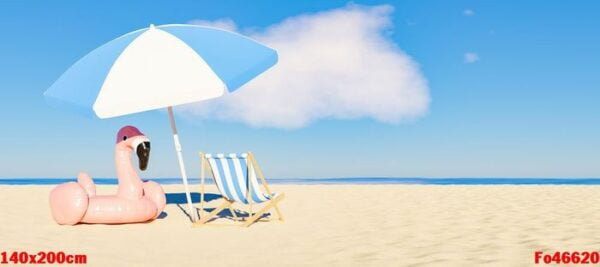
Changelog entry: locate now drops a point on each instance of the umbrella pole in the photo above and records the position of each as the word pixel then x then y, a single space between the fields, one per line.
pixel 181 165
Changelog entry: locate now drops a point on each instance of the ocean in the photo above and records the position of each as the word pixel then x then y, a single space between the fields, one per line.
pixel 334 181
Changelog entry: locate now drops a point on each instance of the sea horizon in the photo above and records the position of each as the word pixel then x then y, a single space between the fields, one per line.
pixel 336 180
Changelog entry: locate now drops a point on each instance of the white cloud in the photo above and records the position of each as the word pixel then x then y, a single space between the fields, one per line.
pixel 335 64
pixel 468 12
pixel 471 57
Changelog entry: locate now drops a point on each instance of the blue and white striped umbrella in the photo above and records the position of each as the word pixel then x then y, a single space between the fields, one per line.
pixel 160 67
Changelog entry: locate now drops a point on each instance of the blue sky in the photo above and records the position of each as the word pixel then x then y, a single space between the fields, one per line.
pixel 526 108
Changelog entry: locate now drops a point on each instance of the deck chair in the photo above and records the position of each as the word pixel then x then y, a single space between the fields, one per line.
pixel 235 176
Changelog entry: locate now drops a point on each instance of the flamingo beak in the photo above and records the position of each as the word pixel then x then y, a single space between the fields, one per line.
pixel 143 152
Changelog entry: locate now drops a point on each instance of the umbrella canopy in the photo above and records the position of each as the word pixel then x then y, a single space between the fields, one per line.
pixel 160 67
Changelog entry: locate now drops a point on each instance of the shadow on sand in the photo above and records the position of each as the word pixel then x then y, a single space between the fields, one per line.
pixel 180 200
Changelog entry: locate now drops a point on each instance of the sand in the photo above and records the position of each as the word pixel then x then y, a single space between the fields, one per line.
pixel 331 225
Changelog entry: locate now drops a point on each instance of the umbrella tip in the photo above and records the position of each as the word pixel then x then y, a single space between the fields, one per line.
pixel 151 26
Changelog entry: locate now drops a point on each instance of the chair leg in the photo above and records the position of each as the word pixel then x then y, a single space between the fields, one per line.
pixel 213 213
pixel 235 217
pixel 262 211
pixel 279 214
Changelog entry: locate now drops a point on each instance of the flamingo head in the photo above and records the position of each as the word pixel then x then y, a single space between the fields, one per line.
pixel 133 139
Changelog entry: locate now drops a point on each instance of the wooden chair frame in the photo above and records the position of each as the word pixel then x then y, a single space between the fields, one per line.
pixel 227 204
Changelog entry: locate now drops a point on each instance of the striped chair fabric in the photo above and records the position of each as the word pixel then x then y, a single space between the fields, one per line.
pixel 232 174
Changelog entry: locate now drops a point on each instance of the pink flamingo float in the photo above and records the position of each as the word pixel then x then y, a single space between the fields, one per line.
pixel 135 201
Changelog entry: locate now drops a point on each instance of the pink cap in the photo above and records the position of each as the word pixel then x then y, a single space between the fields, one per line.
pixel 127 132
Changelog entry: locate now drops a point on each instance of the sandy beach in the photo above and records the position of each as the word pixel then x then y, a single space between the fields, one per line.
pixel 339 225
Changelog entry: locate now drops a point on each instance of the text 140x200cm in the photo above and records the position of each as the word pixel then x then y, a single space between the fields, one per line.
pixel 42 257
